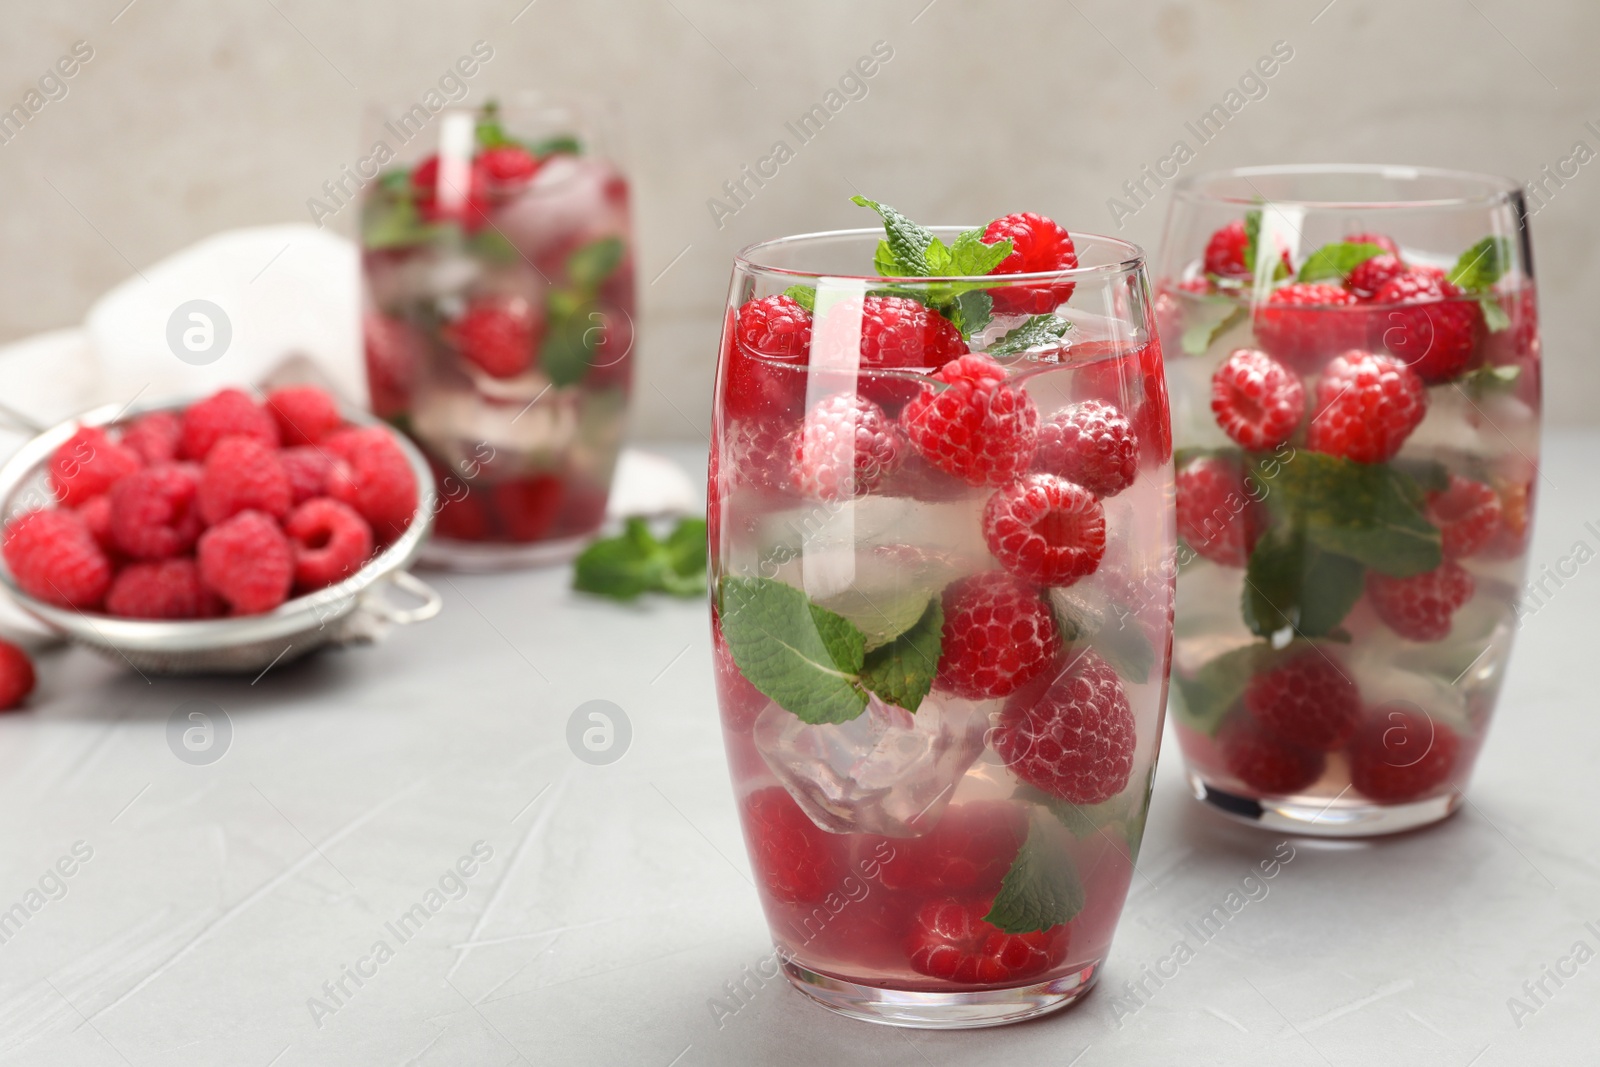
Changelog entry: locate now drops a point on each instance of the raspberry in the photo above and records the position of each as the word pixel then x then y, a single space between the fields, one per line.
pixel 1307 700
pixel 979 428
pixel 967 852
pixel 794 858
pixel 393 349
pixel 1263 762
pixel 247 561
pixel 1400 753
pixel 1091 443
pixel 498 334
pixel 87 464
pixel 1225 251
pixel 154 437
pixel 950 940
pixel 16 676
pixel 1367 406
pixel 1257 400
pixel 1075 738
pixel 377 480
pixel 1420 607
pixel 760 453
pixel 774 328
pixel 1373 274
pixel 1132 381
pixel 154 513
pixel 846 449
pixel 220 415
pixel 461 204
pixel 528 507
pixel 1045 529
pixel 1216 514
pixel 1383 241
pixel 1305 323
pixel 1038 245
pixel 307 469
pixel 507 168
pixel 900 334
pixel 1425 325
pixel 999 635
pixel 54 558
pixel 463 514
pixel 242 474
pixel 304 413
pixel 96 515
pixel 161 589
pixel 1467 514
pixel 330 542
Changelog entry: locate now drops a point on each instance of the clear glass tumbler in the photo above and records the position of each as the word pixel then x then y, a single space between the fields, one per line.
pixel 942 562
pixel 499 300
pixel 1353 353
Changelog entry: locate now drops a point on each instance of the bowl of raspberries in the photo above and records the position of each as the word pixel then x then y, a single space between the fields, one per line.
pixel 223 534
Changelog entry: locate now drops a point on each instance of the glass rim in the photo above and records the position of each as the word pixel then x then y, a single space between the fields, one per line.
pixel 747 259
pixel 1494 188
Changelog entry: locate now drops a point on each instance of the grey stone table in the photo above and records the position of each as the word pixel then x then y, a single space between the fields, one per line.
pixel 399 859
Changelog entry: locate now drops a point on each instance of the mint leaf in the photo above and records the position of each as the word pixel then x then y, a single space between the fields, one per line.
pixel 1252 229
pixel 561 142
pixel 634 562
pixel 1430 475
pixel 1210 693
pixel 882 617
pixel 389 219
pixel 884 262
pixel 1489 379
pixel 1336 261
pixel 803 295
pixel 488 130
pixel 938 258
pixel 804 657
pixel 1041 890
pixel 970 256
pixel 1494 313
pixel 1369 512
pixel 1084 820
pixel 567 351
pixel 1037 331
pixel 971 311
pixel 1482 265
pixel 1291 582
pixel 901 672
pixel 595 262
pixel 1221 317
pixel 686 554
pixel 906 242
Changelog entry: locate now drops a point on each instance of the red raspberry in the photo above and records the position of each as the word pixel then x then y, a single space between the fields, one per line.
pixel 1091 443
pixel 377 480
pixel 741 702
pixel 1263 762
pixel 466 205
pixel 846 449
pixel 950 940
pixel 330 542
pixel 16 676
pixel 1257 400
pixel 307 469
pixel 1305 323
pixel 764 376
pixel 498 334
pixel 999 635
pixel 1382 240
pixel 900 334
pixel 1420 607
pixel 247 561
pixel 1467 514
pixel 1216 514
pixel 242 474
pixel 760 453
pixel 1073 737
pixel 54 558
pixel 967 852
pixel 1426 325
pixel 1367 406
pixel 463 514
pixel 1225 251
pixel 1134 382
pixel 528 507
pixel 87 464
pixel 1046 529
pixel 304 413
pixel 507 168
pixel 980 428
pixel 393 350
pixel 796 860
pixel 1401 753
pixel 220 415
pixel 1307 700
pixel 154 513
pixel 1510 541
pixel 96 515
pixel 1038 245
pixel 154 437
pixel 161 589
pixel 1373 274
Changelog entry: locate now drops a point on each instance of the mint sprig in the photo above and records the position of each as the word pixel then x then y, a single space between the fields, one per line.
pixel 1220 316
pixel 1334 262
pixel 904 250
pixel 1037 331
pixel 1292 583
pixel 909 250
pixel 804 295
pixel 1477 270
pixel 901 671
pixel 636 562
pixel 1041 890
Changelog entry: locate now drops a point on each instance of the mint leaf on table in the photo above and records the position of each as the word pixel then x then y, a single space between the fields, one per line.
pixel 905 241
pixel 804 295
pixel 595 262
pixel 1037 331
pixel 806 658
pixel 1040 891
pixel 1480 266
pixel 1336 261
pixel 1207 695
pixel 901 672
pixel 1369 512
pixel 1222 316
pixel 635 562
pixel 1292 583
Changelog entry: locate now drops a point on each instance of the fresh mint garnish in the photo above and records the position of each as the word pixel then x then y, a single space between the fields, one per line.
pixel 1220 317
pixel 1482 265
pixel 1206 697
pixel 969 256
pixel 1336 261
pixel 1495 317
pixel 1041 890
pixel 1037 331
pixel 804 295
pixel 489 131
pixel 881 617
pixel 635 562
pixel 562 142
pixel 971 311
pixel 901 672
pixel 904 251
pixel 1291 583
pixel 1486 380
pixel 595 262
pixel 912 251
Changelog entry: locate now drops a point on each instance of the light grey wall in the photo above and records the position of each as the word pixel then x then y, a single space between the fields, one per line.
pixel 197 115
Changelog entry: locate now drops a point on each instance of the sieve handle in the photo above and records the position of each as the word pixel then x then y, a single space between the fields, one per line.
pixel 430 602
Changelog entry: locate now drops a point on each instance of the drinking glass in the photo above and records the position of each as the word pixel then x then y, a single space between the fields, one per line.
pixel 941 610
pixel 498 317
pixel 1353 353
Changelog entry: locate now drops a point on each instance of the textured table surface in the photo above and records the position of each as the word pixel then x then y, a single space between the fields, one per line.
pixel 580 914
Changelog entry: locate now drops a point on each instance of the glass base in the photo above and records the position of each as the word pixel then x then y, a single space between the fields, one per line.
pixel 941 1011
pixel 1314 817
pixel 442 553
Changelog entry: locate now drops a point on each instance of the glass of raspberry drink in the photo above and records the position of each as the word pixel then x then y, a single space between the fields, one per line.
pixel 1354 360
pixel 942 556
pixel 498 317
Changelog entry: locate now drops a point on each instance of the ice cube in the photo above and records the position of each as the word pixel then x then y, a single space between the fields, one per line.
pixel 461 426
pixel 885 772
pixel 572 200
